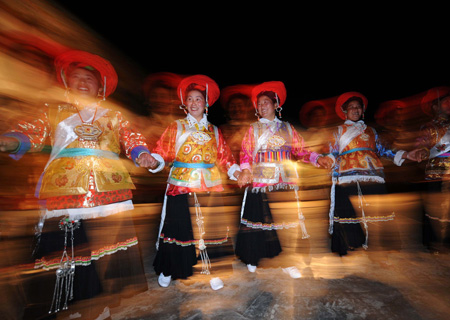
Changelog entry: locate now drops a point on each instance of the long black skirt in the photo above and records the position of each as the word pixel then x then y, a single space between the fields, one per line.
pixel 177 252
pixel 254 243
pixel 347 236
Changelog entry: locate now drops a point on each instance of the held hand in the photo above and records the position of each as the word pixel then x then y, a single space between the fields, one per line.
pixel 417 155
pixel 146 160
pixel 8 144
pixel 245 178
pixel 325 162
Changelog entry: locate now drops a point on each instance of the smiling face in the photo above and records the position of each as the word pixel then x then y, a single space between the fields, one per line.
pixel 266 107
pixel 83 84
pixel 195 104
pixel 354 110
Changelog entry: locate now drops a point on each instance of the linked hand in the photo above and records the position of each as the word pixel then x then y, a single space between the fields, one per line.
pixel 417 155
pixel 325 162
pixel 146 160
pixel 8 144
pixel 245 178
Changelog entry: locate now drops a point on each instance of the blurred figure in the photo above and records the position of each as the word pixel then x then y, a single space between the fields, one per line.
pixel 435 141
pixel 236 100
pixel 160 91
pixel 266 153
pixel 319 119
pixel 162 106
pixel 197 153
pixel 356 150
pixel 86 230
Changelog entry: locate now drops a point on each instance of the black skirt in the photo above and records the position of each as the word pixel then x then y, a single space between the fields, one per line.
pixel 347 236
pixel 253 243
pixel 176 253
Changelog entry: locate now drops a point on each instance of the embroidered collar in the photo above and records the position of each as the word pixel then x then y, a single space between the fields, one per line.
pixel 354 123
pixel 358 125
pixel 203 123
pixel 264 120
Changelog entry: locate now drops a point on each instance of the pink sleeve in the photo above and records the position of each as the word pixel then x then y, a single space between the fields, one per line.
pixel 247 147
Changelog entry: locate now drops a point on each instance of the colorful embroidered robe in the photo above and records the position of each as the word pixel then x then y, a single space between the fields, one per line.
pixel 267 150
pixel 356 149
pixel 82 180
pixel 198 153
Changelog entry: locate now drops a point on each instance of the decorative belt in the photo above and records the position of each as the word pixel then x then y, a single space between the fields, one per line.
pixel 356 149
pixel 83 152
pixel 273 156
pixel 178 164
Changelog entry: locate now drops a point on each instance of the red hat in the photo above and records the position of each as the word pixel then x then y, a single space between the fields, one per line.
pixel 86 59
pixel 274 86
pixel 432 94
pixel 343 98
pixel 202 83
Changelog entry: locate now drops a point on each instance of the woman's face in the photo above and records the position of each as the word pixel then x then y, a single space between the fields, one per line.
pixel 83 84
pixel 195 104
pixel 354 110
pixel 266 108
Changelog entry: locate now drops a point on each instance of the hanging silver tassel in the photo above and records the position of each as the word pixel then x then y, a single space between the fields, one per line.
pixel 206 263
pixel 65 274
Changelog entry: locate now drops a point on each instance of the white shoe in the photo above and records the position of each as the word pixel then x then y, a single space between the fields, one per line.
pixel 216 283
pixel 251 268
pixel 292 272
pixel 163 280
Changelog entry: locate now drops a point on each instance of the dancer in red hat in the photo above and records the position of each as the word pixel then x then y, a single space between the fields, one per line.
pixel 435 141
pixel 86 232
pixel 198 153
pixel 356 150
pixel 267 150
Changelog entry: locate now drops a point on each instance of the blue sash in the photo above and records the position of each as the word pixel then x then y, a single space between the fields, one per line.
pixel 178 164
pixel 356 149
pixel 83 152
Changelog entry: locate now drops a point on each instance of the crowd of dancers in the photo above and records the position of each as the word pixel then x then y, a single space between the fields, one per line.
pixel 86 234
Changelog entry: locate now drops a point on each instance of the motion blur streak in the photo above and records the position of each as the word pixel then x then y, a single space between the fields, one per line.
pixel 33 32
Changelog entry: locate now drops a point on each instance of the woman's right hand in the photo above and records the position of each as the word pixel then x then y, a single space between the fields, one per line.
pixel 8 144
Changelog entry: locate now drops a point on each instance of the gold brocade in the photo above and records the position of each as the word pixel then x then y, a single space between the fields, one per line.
pixel 199 147
pixel 70 175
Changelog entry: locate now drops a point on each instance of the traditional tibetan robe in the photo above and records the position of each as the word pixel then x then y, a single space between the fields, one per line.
pixel 81 173
pixel 267 151
pixel 198 152
pixel 356 150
